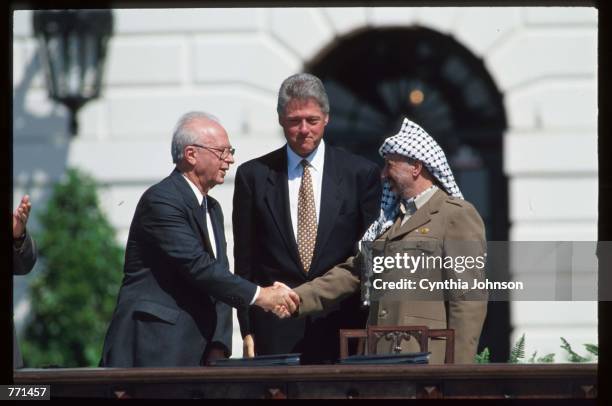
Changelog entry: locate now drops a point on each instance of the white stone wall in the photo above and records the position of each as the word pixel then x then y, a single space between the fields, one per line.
pixel 548 73
pixel 230 62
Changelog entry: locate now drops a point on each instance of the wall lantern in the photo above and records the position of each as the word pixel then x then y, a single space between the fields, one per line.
pixel 72 46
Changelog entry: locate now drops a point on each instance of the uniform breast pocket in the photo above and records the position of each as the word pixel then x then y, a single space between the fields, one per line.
pixel 413 259
pixel 421 246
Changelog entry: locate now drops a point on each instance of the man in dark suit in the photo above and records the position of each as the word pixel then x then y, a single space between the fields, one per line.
pixel 172 308
pixel 287 206
pixel 24 256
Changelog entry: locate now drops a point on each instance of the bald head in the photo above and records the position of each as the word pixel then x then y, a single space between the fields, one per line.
pixel 207 131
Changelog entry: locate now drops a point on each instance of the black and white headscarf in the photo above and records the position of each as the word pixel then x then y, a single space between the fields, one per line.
pixel 412 142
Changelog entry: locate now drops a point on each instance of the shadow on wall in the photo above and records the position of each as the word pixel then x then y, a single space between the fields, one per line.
pixel 40 152
pixel 29 125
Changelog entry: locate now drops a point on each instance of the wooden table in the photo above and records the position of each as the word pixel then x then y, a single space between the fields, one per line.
pixel 323 381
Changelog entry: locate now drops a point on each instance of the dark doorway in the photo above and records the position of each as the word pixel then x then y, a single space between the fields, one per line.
pixel 375 78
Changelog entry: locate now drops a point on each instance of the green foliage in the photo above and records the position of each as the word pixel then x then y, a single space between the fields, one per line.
pixel 592 348
pixel 573 356
pixel 73 297
pixel 548 358
pixel 518 351
pixel 484 357
pixel 533 357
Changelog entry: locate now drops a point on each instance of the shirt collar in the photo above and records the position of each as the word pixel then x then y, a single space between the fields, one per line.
pixel 195 189
pixel 315 159
pixel 414 203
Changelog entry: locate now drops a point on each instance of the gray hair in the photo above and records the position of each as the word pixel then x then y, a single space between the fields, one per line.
pixel 183 134
pixel 302 86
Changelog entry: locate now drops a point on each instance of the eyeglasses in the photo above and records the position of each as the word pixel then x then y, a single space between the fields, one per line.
pixel 225 152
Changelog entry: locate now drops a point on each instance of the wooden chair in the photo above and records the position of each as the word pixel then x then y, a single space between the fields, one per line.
pixel 449 334
pixel 397 334
pixel 373 334
pixel 346 334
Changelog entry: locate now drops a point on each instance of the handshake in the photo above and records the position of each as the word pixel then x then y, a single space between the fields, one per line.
pixel 279 299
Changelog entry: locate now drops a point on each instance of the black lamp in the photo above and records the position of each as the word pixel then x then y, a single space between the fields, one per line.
pixel 73 49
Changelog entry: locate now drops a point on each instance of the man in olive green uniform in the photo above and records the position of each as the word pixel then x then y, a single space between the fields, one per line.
pixel 423 213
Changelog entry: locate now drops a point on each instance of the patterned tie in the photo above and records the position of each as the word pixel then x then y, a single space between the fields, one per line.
pixel 307 218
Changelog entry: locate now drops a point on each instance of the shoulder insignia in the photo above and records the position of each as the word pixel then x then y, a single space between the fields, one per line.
pixel 455 201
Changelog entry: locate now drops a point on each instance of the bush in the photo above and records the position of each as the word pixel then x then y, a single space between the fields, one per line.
pixel 517 354
pixel 73 297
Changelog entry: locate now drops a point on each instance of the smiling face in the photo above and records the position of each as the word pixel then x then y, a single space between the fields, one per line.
pixel 407 177
pixel 401 175
pixel 303 124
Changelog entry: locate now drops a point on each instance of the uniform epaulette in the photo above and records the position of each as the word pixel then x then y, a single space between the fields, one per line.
pixel 455 201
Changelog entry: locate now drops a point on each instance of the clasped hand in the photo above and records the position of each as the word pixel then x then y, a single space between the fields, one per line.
pixel 279 299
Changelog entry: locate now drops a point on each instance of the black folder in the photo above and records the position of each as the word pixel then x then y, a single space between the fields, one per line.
pixel 259 361
pixel 407 358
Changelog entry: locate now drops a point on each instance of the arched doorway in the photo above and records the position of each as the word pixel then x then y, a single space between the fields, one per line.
pixel 375 77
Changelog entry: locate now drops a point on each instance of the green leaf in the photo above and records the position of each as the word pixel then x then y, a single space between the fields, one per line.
pixel 573 356
pixel 548 358
pixel 518 350
pixel 532 359
pixel 593 349
pixel 483 357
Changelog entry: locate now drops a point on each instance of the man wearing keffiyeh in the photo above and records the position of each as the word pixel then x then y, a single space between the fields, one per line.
pixel 421 204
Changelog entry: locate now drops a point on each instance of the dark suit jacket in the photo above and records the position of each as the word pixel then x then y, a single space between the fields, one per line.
pixel 24 259
pixel 170 302
pixel 265 249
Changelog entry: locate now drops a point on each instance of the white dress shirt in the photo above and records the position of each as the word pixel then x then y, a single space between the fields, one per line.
pixel 294 177
pixel 408 207
pixel 211 233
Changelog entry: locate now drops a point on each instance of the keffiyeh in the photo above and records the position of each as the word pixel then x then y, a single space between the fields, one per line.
pixel 412 142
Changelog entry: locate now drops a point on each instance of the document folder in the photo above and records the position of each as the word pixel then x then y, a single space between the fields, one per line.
pixel 408 358
pixel 259 361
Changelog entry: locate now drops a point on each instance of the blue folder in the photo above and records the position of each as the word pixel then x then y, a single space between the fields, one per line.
pixel 407 358
pixel 259 361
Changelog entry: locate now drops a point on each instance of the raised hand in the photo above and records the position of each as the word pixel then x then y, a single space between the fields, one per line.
pixel 20 216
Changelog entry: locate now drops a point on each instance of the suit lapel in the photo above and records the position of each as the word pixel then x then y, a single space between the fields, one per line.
pixel 197 213
pixel 331 201
pixel 192 203
pixel 420 217
pixel 215 219
pixel 277 200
